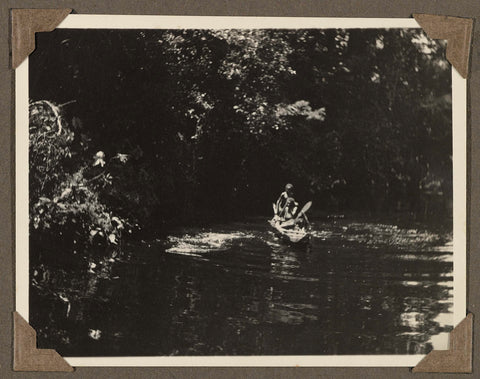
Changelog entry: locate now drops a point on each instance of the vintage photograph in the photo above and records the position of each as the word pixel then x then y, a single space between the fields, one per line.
pixel 240 192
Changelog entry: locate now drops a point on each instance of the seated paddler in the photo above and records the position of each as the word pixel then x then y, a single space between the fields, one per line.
pixel 282 200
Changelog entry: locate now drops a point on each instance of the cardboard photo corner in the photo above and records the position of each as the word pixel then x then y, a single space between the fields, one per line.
pixel 458 33
pixel 27 22
pixel 26 356
pixel 458 358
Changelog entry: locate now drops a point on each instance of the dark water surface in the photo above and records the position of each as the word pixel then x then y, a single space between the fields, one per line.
pixel 361 288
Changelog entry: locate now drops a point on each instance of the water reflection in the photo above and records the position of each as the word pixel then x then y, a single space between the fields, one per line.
pixel 236 290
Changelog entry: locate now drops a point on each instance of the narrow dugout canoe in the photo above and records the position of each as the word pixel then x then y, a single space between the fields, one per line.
pixel 294 236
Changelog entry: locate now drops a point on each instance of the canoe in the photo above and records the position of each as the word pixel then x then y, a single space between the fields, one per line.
pixel 293 236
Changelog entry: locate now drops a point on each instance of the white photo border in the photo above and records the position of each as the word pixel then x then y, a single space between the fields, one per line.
pixel 459 133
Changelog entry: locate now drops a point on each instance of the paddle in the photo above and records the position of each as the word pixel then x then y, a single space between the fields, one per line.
pixel 291 222
pixel 305 208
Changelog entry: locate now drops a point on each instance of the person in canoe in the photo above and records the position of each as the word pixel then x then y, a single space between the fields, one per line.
pixel 293 219
pixel 290 209
pixel 286 210
pixel 286 207
pixel 282 200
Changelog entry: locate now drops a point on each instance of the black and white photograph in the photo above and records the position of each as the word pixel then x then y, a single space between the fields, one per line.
pixel 238 191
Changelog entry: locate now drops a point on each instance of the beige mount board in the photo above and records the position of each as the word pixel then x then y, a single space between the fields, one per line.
pixel 458 33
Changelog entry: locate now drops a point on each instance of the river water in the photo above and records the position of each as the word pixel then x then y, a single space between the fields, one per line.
pixel 235 289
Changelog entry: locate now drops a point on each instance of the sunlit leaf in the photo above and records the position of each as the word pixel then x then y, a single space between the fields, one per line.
pixel 112 238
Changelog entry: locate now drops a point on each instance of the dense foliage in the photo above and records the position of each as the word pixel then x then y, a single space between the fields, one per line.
pixel 65 197
pixel 174 126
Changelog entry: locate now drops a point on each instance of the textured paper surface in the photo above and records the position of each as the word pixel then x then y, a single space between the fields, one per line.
pixel 375 8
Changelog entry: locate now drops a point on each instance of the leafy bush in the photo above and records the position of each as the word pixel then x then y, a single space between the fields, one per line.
pixel 65 196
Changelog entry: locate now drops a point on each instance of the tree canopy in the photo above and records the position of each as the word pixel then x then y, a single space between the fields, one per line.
pixel 175 126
